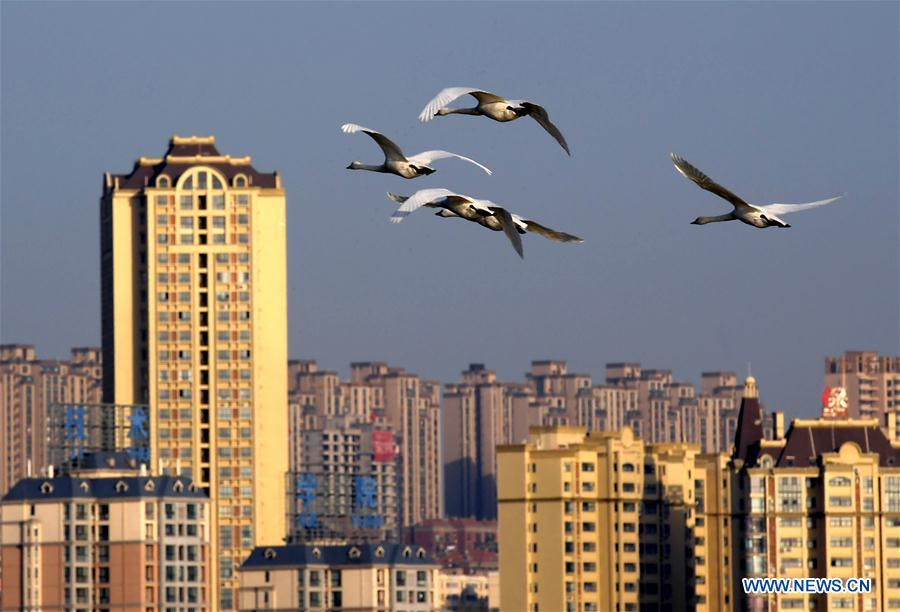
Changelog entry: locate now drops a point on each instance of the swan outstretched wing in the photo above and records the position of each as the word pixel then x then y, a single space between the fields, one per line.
pixel 509 228
pixel 786 209
pixel 704 182
pixel 421 198
pixel 539 114
pixel 426 157
pixel 391 151
pixel 449 94
pixel 546 232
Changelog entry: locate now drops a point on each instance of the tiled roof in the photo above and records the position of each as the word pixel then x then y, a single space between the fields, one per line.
pixel 113 487
pixel 296 555
pixel 806 442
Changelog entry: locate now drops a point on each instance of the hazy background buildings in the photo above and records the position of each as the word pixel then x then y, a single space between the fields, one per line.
pixel 779 102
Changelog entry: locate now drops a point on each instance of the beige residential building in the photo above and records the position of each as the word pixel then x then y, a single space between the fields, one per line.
pixel 195 325
pixel 363 578
pixel 28 388
pixel 603 521
pixel 468 592
pixel 821 500
pixel 389 399
pixel 871 383
pixel 106 537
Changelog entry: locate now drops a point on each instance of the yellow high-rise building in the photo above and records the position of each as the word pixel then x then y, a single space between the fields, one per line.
pixel 194 305
pixel 597 522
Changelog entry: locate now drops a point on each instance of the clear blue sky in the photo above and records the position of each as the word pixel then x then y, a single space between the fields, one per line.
pixel 785 102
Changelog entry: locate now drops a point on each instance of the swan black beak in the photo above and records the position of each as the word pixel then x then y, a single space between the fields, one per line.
pixel 350 167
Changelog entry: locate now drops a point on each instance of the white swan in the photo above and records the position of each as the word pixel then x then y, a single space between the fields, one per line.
pixel 397 163
pixel 757 215
pixel 492 106
pixel 484 212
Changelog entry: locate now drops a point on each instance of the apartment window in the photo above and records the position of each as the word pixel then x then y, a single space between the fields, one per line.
pixel 892 494
pixel 841 562
pixel 789 493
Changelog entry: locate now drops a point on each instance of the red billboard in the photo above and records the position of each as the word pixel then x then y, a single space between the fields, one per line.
pixel 383 446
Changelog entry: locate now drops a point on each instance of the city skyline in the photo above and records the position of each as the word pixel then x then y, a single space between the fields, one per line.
pixel 639 289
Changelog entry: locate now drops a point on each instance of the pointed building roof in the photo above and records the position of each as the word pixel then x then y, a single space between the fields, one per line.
pixel 750 425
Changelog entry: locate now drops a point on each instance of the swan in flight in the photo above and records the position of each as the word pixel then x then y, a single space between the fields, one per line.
pixel 397 163
pixel 482 212
pixel 757 215
pixel 492 106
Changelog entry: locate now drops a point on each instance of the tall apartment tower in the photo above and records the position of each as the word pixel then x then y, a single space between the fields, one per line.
pixel 596 522
pixel 194 303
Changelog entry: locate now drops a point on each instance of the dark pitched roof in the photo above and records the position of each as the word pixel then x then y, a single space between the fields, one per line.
pixel 807 441
pixel 296 555
pixel 113 487
pixel 749 431
pixel 146 173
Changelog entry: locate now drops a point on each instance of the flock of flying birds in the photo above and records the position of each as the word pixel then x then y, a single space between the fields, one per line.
pixel 495 217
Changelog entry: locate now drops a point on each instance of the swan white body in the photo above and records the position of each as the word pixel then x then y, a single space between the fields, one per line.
pixel 395 162
pixel 492 106
pixel 757 215
pixel 483 212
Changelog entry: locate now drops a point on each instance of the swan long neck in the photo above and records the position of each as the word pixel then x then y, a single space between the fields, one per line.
pixel 459 111
pixel 717 218
pixel 361 166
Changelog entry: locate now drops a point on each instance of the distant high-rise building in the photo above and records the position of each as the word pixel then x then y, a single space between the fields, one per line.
pixel 105 537
pixel 480 412
pixel 862 384
pixel 477 416
pixel 821 500
pixel 603 521
pixel 29 387
pixel 390 399
pixel 195 324
pixel 344 489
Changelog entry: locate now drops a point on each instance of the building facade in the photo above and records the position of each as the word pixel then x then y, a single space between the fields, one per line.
pixel 462 544
pixel 364 578
pixel 382 398
pixel 821 500
pixel 107 537
pixel 29 387
pixel 870 383
pixel 599 522
pixel 193 271
pixel 344 489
